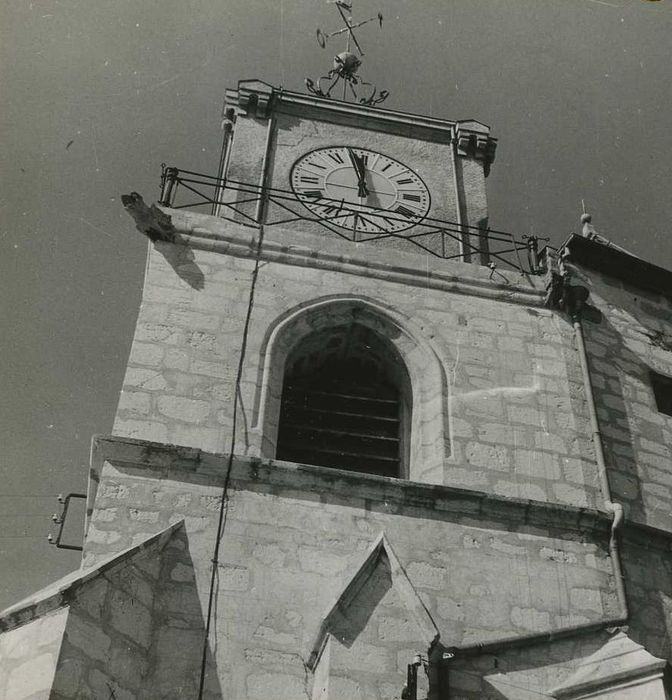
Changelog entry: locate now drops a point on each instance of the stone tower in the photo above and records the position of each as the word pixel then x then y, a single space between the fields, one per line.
pixel 352 456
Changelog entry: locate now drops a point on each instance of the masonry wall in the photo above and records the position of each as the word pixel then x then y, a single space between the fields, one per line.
pixel 470 178
pixel 630 336
pixel 295 536
pixel 484 355
pixel 107 637
pixel 132 629
pixel 513 403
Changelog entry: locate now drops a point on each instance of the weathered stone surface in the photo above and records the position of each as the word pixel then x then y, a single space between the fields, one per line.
pixel 276 685
pixel 183 409
pixel 89 637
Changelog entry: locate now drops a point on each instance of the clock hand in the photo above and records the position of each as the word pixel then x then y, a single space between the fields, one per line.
pixel 360 171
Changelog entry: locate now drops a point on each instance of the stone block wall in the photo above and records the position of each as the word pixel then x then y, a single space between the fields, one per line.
pixel 131 626
pixel 107 637
pixel 470 178
pixel 648 575
pixel 295 536
pixel 630 337
pixel 510 396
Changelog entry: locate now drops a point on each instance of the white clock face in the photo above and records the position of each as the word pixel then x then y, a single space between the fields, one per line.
pixel 359 189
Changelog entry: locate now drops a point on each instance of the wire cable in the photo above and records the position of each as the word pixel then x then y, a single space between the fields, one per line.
pixel 229 464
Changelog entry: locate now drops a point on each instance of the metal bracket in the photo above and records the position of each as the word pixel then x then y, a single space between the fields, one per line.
pixel 59 519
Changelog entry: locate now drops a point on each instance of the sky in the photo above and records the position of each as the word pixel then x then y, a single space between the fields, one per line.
pixel 96 95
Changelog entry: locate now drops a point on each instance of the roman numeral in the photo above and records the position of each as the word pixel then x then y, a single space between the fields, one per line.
pixel 312 193
pixel 406 181
pixel 336 157
pixel 309 178
pixel 368 225
pixel 411 197
pixel 316 165
pixel 328 210
pixel 405 211
pixel 387 167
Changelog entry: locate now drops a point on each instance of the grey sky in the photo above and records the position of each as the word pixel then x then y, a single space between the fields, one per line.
pixel 577 92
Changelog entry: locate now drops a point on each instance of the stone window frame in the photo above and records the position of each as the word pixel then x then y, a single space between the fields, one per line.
pixel 661 385
pixel 429 439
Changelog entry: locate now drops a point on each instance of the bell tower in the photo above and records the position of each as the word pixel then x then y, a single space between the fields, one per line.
pixel 350 198
pixel 367 446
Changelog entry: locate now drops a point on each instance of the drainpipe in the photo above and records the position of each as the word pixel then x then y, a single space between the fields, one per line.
pixel 571 299
pixel 616 509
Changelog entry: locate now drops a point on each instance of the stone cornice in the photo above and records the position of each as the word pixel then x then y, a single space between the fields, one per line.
pixel 290 247
pixel 368 490
pixel 473 140
pixel 258 99
pixel 207 467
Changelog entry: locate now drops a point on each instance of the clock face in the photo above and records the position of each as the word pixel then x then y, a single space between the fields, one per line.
pixel 359 189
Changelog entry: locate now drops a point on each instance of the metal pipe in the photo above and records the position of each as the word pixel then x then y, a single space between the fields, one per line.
pixel 531 639
pixel 615 508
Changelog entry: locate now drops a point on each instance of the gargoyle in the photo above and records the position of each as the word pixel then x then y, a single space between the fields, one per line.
pixel 150 221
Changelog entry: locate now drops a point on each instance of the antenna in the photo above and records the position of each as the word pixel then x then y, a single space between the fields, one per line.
pixel 347 63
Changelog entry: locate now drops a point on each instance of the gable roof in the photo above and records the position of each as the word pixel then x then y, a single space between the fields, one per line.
pixel 617 262
pixel 619 660
pixel 58 594
pixel 358 583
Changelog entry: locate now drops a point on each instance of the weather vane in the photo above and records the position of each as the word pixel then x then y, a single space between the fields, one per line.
pixel 347 63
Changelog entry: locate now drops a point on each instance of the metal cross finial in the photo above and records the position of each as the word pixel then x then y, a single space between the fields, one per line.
pixel 347 63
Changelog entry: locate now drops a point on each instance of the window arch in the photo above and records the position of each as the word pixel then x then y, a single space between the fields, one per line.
pixel 425 387
pixel 346 402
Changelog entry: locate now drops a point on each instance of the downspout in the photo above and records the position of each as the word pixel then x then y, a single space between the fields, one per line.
pixel 571 298
pixel 575 306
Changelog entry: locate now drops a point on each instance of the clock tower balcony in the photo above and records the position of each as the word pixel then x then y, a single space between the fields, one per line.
pixel 390 179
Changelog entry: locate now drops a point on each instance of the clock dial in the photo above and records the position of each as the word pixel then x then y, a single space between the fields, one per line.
pixel 359 189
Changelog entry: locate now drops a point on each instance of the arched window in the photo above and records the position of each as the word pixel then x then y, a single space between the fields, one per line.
pixel 346 402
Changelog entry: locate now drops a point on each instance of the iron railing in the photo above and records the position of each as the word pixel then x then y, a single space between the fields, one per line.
pixel 252 205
